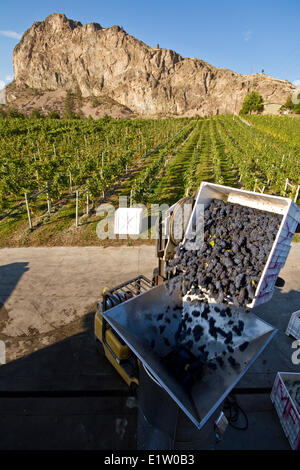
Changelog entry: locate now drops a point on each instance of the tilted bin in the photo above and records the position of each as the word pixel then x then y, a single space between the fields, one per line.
pixel 287 409
pixel 282 243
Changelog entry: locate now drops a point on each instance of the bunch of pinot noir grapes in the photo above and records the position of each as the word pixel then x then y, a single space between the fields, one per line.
pixel 229 263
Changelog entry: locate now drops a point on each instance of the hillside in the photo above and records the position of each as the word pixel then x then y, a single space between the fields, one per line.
pixel 59 54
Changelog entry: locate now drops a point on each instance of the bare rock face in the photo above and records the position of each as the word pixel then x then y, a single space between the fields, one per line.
pixel 3 96
pixel 61 54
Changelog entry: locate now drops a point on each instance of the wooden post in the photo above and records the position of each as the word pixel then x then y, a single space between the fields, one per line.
pixel 254 189
pixel 28 211
pixel 87 202
pixel 102 164
pixel 70 178
pixel 131 197
pixel 48 198
pixel 285 187
pixel 77 195
pixel 37 178
pixel 297 193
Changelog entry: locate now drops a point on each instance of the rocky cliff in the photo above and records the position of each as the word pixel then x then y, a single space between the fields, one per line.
pixel 59 54
pixel 3 96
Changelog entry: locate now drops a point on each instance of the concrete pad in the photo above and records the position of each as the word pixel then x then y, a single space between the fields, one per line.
pixel 44 289
pixel 67 424
pixel 278 354
pixel 263 429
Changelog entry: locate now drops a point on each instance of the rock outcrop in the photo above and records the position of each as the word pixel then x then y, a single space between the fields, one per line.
pixel 3 96
pixel 59 54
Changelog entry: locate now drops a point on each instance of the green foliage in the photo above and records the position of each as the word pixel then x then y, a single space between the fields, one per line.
pixel 96 152
pixel 36 114
pixel 2 113
pixel 13 113
pixel 253 103
pixel 78 96
pixel 95 102
pixel 288 105
pixel 297 107
pixel 107 118
pixel 161 160
pixel 53 115
pixel 261 152
pixel 69 108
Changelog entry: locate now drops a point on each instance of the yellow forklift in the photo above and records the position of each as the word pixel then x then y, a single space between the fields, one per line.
pixel 108 341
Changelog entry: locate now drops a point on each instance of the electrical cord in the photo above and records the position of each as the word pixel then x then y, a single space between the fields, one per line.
pixel 233 411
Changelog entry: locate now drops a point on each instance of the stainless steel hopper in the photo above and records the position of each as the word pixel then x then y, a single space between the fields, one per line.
pixel 149 324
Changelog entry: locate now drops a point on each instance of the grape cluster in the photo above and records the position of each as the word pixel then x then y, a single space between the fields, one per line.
pixel 230 261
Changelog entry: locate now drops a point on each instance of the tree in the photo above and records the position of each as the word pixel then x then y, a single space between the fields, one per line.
pixel 288 105
pixel 78 96
pixel 69 110
pixel 54 115
pixel 2 113
pixel 95 102
pixel 252 103
pixel 36 114
pixel 13 113
pixel 297 108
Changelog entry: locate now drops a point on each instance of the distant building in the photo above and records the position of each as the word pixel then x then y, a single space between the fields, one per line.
pixel 272 108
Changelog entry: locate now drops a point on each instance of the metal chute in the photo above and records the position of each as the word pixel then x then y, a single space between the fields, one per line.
pixel 149 324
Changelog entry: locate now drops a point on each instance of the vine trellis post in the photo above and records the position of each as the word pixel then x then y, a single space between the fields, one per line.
pixel 292 186
pixel 28 211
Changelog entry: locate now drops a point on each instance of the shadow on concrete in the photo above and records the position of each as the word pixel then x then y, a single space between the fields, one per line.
pixel 68 396
pixel 10 274
pixel 65 396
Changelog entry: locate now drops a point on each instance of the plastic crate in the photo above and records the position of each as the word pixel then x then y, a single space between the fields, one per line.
pixel 293 328
pixel 286 408
pixel 282 244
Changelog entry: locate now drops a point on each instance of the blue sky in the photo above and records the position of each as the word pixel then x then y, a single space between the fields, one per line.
pixel 243 36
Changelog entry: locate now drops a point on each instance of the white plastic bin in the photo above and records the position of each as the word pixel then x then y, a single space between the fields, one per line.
pixel 286 408
pixel 282 243
pixel 293 328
